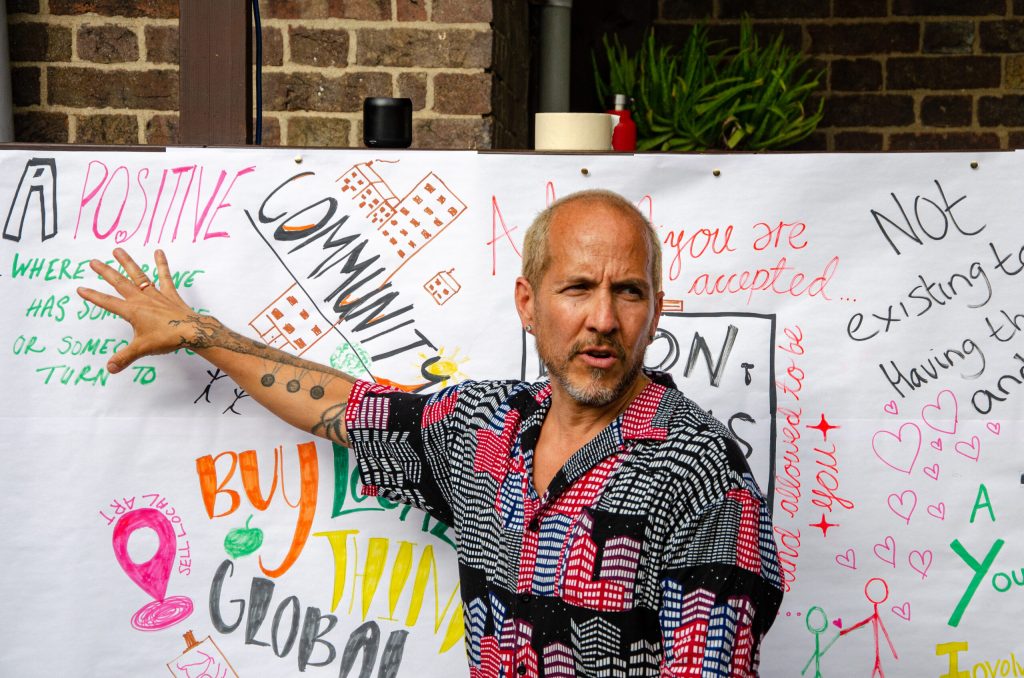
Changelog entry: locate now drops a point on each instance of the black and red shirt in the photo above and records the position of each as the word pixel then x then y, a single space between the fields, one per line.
pixel 651 552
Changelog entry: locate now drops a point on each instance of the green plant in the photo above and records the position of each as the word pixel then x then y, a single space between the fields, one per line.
pixel 706 96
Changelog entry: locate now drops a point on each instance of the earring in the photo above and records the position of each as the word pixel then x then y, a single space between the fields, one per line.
pixel 529 329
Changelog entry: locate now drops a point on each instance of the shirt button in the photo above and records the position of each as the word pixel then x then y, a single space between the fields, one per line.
pixel 521 670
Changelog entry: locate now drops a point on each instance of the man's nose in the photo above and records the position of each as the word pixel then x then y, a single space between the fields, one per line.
pixel 602 317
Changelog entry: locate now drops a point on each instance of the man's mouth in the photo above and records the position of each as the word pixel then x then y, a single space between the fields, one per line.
pixel 602 357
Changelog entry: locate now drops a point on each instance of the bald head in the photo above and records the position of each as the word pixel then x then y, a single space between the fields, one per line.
pixel 536 250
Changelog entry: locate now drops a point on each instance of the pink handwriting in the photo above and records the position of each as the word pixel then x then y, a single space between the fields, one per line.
pixel 155 206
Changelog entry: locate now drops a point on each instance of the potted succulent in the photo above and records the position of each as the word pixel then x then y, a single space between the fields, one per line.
pixel 704 96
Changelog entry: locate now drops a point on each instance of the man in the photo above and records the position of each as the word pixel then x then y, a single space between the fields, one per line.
pixel 606 525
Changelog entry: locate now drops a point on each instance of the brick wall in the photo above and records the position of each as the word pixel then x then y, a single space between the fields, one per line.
pixel 900 74
pixel 105 71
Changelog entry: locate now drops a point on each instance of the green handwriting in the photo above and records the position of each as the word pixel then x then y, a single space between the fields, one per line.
pixel 70 375
pixel 49 269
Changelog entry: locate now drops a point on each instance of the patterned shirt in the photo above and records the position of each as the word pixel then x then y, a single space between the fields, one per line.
pixel 651 552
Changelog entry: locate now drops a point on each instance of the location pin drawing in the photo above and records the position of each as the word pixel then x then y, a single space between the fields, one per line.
pixel 153 575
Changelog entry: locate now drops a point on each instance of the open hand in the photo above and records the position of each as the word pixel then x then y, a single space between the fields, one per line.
pixel 161 320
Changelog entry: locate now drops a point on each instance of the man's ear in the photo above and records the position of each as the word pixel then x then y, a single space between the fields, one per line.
pixel 659 304
pixel 524 301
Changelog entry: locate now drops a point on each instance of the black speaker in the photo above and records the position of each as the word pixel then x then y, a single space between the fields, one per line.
pixel 387 122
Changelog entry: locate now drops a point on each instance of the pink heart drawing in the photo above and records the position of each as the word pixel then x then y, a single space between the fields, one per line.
pixel 971 450
pixel 890 407
pixel 838 622
pixel 898 450
pixel 902 611
pixel 994 427
pixel 932 471
pixel 903 504
pixel 848 559
pixel 920 561
pixel 936 444
pixel 937 510
pixel 886 551
pixel 938 415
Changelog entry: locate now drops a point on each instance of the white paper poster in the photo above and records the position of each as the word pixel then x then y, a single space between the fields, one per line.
pixel 857 321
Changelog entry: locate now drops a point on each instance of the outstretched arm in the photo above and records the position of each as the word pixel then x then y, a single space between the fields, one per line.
pixel 303 393
pixel 856 626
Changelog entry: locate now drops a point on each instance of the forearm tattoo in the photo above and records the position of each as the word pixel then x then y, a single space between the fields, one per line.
pixel 332 424
pixel 295 374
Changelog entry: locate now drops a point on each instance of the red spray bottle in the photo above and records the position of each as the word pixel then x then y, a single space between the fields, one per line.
pixel 624 134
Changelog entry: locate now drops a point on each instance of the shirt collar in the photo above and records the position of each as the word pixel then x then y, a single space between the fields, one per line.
pixel 644 418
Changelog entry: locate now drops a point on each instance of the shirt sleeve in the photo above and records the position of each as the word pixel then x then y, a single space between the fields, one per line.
pixel 402 444
pixel 720 585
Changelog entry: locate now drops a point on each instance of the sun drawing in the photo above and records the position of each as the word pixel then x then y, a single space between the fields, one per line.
pixel 445 367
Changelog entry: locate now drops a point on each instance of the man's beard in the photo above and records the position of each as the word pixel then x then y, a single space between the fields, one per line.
pixel 593 393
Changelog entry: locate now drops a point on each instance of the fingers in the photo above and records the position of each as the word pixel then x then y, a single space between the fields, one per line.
pixel 123 285
pixel 134 272
pixel 163 270
pixel 125 357
pixel 107 302
pixel 150 310
pixel 133 279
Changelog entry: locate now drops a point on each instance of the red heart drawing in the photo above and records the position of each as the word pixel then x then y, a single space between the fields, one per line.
pixel 994 426
pixel 937 510
pixel 971 450
pixel 903 504
pixel 898 450
pixel 932 471
pixel 902 611
pixel 936 444
pixel 938 415
pixel 886 551
pixel 848 559
pixel 920 561
pixel 838 622
pixel 891 408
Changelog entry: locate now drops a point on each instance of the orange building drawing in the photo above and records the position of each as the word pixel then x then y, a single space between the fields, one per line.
pixel 369 192
pixel 442 286
pixel 290 323
pixel 423 213
pixel 409 224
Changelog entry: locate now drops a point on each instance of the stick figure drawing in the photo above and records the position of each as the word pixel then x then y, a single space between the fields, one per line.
pixel 817 623
pixel 877 592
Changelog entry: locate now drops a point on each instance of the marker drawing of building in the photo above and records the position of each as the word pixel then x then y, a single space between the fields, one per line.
pixel 369 192
pixel 408 224
pixel 290 323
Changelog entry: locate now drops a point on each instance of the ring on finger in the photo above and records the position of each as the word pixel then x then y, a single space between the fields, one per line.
pixel 144 284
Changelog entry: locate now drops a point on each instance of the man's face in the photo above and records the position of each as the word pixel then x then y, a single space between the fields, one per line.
pixel 595 309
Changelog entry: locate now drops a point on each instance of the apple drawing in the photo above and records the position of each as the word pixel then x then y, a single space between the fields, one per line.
pixel 242 541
